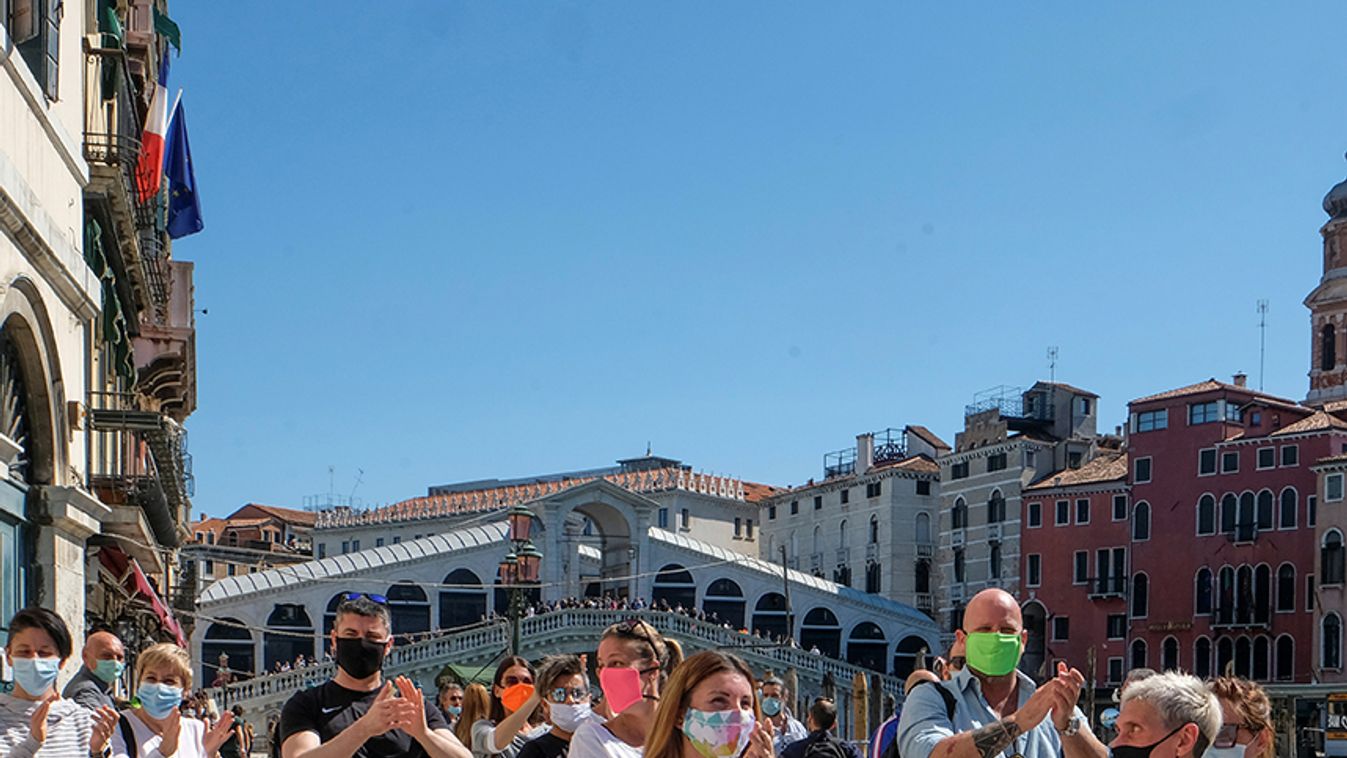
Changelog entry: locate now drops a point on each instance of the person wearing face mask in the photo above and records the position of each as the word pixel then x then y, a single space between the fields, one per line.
pixel 1246 720
pixel 708 710
pixel 158 728
pixel 104 659
pixel 1169 715
pixel 565 704
pixel 997 708
pixel 451 702
pixel 634 661
pixel 774 697
pixel 34 720
pixel 476 706
pixel 513 701
pixel 357 713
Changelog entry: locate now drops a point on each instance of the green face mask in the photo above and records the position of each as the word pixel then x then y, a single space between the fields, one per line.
pixel 993 653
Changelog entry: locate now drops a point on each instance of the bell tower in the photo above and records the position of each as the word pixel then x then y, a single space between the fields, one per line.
pixel 1328 307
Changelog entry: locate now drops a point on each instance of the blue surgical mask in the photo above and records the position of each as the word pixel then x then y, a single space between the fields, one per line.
pixel 159 700
pixel 109 670
pixel 36 675
pixel 771 706
pixel 455 710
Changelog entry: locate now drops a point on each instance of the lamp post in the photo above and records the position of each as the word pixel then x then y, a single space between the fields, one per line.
pixel 520 566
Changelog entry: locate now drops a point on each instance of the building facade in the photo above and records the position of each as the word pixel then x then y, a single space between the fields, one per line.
pixel 252 538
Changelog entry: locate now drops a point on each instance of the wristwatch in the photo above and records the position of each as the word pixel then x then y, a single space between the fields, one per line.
pixel 1072 727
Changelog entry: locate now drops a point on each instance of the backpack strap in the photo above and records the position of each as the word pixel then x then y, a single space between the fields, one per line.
pixel 128 735
pixel 950 702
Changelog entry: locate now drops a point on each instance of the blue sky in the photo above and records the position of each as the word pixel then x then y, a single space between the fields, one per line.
pixel 448 241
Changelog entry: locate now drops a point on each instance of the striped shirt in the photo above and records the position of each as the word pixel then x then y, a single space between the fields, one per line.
pixel 68 729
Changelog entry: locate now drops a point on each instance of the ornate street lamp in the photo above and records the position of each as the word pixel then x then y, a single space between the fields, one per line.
pixel 520 567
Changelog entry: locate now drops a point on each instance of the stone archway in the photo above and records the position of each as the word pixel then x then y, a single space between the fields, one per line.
pixel 606 519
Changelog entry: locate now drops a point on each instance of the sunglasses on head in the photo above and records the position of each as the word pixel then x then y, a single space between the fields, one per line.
pixel 559 694
pixel 380 599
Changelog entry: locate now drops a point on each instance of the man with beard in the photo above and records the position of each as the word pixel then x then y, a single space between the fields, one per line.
pixel 357 713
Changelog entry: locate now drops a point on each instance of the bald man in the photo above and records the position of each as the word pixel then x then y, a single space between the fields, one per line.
pixel 998 710
pixel 104 658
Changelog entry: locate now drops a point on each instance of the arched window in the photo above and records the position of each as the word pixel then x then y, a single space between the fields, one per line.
pixel 410 609
pixel 1139 654
pixel 1169 654
pixel 1225 657
pixel 1262 594
pixel 794 545
pixel 725 599
pixel 1140 596
pixel 1244 594
pixel 994 561
pixel 1202 657
pixel 462 600
pixel 1331 558
pixel 1141 522
pixel 1286 658
pixel 1206 515
pixel 1286 587
pixel 1225 598
pixel 1328 348
pixel 842 534
pixel 1265 511
pixel 873 577
pixel 959 516
pixel 874 529
pixel 1243 657
pixel 958 565
pixel 923 528
pixel 1229 512
pixel 1202 603
pixel 1330 655
pixel 1244 530
pixel 818 539
pixel 996 508
pixel 922 577
pixel 1262 649
pixel 1289 509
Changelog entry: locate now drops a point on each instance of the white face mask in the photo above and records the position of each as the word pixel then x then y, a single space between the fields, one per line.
pixel 1234 751
pixel 568 717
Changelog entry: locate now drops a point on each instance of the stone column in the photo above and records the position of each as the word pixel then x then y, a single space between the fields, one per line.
pixel 68 516
pixel 640 539
pixel 556 560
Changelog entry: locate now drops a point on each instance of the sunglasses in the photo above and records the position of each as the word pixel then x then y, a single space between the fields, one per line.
pixel 1228 733
pixel 511 681
pixel 380 599
pixel 560 694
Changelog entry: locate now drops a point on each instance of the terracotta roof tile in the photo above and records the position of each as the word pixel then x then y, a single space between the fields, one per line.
pixel 304 518
pixel 1208 386
pixel 929 437
pixel 1317 422
pixel 1111 467
pixel 1069 388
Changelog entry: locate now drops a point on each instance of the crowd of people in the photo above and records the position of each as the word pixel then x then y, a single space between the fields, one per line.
pixel 651 701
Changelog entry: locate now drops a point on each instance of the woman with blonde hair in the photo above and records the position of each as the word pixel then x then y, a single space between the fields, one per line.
pixel 634 662
pixel 157 727
pixel 1246 729
pixel 476 705
pixel 709 710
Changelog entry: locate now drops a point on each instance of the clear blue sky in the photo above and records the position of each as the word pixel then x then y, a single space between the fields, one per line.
pixel 448 241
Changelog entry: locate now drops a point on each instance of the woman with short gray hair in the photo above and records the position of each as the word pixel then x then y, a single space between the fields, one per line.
pixel 1171 709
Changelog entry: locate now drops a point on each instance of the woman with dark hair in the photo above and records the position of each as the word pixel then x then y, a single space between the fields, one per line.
pixel 34 718
pixel 513 701
pixel 634 661
pixel 709 710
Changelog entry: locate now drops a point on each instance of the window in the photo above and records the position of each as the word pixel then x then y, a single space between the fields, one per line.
pixel 1331 559
pixel 1151 421
pixel 1203 413
pixel 345 547
pixel 686 520
pixel 1139 654
pixel 1202 658
pixel 230 568
pixel 771 513
pixel 1034 569
pixel 1116 626
pixel 1082 511
pixel 34 27
pixel 210 565
pixel 1206 515
pixel 748 529
pixel 794 507
pixel 1140 596
pixel 1265 510
pixel 959 514
pixel 874 530
pixel 1063 513
pixel 846 496
pixel 1229 513
pixel 1328 348
pixel 996 462
pixel 1115 671
pixel 1202 592
pixel 1285 658
pixel 1311 511
pixel 662 518
pixel 873 575
pixel 1061 628
pixel 1309 592
pixel 958 565
pixel 378 541
pixel 1230 462
pixel 1073 459
pixel 355 546
pixel 959 470
pixel 996 508
pixel 818 502
pixel 1267 458
pixel 1141 522
pixel 1141 470
pixel 1084 406
pixel 1081 569
pixel 923 487
pixel 1119 507
pixel 1255 418
pixel 1332 488
pixel 210 538
pixel 1169 654
pixel 322 550
pixel 739 528
pixel 1206 462
pixel 397 539
pixel 1331 636
pixel 1290 507
pixel 1035 515
pixel 994 561
pixel 1290 455
pixel 873 489
pixel 1286 588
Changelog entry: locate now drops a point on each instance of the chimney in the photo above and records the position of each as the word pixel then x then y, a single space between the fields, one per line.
pixel 865 452
pixel 1241 379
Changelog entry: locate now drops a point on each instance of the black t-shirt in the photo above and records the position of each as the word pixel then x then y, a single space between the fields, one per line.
pixel 329 708
pixel 547 746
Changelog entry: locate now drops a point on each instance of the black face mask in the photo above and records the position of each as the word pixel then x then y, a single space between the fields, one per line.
pixel 1132 751
pixel 360 657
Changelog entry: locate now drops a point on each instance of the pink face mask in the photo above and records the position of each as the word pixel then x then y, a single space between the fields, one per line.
pixel 621 687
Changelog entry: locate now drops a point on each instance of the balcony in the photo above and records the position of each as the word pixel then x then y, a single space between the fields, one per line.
pixel 1021 410
pixel 1241 616
pixel 872 552
pixel 956 592
pixel 957 538
pixel 994 532
pixel 925 550
pixel 843 555
pixel 816 563
pixel 925 602
pixel 165 352
pixel 139 459
pixel 1105 587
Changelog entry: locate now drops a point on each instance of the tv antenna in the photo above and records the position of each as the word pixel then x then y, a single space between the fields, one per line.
pixel 1262 341
pixel 1052 364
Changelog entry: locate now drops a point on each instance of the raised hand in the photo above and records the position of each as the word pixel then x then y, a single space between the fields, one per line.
pixel 37 726
pixel 760 743
pixel 1067 683
pixel 104 722
pixel 218 734
pixel 168 743
pixel 416 707
pixel 385 714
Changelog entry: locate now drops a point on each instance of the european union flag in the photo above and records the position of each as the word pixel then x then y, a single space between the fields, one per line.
pixel 184 205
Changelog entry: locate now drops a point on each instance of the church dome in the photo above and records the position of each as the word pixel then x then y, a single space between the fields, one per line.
pixel 1335 202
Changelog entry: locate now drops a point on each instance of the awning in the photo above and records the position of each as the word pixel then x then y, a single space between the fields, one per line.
pixel 128 574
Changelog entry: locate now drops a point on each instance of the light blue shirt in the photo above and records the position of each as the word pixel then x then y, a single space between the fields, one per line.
pixel 925 719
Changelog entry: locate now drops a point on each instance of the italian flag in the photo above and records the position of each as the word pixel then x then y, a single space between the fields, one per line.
pixel 150 170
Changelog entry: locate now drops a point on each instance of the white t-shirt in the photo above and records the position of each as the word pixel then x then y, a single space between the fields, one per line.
pixel 147 742
pixel 593 740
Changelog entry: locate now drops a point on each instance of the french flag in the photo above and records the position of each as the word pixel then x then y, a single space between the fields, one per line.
pixel 150 170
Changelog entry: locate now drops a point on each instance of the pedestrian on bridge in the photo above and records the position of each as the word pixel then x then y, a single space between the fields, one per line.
pixel 357 713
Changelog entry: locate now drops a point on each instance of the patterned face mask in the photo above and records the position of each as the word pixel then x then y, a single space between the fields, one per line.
pixel 718 734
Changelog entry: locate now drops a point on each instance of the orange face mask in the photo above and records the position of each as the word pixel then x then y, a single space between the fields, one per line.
pixel 514 696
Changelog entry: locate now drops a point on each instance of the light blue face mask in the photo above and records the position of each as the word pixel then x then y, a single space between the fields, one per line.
pixel 159 700
pixel 771 706
pixel 36 675
pixel 108 670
